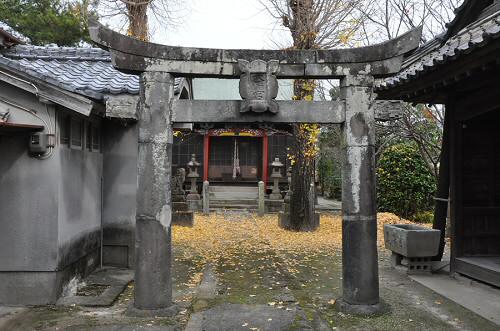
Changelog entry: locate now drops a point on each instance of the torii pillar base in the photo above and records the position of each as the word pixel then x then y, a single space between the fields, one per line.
pixel 362 310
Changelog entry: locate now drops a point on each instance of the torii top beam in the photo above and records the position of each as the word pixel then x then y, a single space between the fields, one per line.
pixel 133 55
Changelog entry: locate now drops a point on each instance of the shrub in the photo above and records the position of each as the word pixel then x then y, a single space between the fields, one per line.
pixel 423 217
pixel 405 186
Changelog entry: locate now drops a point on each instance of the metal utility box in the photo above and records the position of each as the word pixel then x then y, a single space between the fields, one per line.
pixel 38 143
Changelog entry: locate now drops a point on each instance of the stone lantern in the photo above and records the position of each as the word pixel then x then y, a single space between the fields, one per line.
pixel 193 197
pixel 276 176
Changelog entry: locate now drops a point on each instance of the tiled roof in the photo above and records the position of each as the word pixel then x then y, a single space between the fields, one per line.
pixel 87 71
pixel 12 34
pixel 58 53
pixel 436 53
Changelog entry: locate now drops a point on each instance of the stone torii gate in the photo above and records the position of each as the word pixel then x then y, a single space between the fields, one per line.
pixel 356 110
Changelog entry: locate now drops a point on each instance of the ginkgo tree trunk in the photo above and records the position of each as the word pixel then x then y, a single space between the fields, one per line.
pixel 137 13
pixel 164 13
pixel 313 24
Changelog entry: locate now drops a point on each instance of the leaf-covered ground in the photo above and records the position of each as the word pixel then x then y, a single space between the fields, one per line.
pixel 215 236
pixel 254 262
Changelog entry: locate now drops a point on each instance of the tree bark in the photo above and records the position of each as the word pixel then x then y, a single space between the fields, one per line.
pixel 302 212
pixel 138 19
pixel 302 209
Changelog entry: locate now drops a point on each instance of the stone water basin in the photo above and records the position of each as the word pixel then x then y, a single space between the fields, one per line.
pixel 411 240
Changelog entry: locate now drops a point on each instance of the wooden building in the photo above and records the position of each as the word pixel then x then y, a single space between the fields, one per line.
pixel 461 69
pixel 228 154
pixel 232 156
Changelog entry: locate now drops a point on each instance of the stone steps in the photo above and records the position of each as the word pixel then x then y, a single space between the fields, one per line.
pixel 230 193
pixel 233 197
pixel 246 202
pixel 241 204
pixel 233 208
pixel 219 188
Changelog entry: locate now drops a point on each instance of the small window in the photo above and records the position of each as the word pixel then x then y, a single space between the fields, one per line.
pixel 96 139
pixel 89 137
pixel 76 132
pixel 65 128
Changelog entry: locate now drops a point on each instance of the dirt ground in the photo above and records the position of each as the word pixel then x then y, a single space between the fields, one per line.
pixel 246 261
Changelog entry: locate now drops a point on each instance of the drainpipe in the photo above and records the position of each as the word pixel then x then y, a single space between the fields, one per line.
pixel 102 208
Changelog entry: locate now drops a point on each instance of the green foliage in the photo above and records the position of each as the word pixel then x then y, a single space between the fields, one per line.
pixel 423 217
pixel 405 186
pixel 330 177
pixel 47 21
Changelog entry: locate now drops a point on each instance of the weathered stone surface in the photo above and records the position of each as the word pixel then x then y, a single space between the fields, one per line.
pixel 377 68
pixel 259 86
pixel 177 186
pixel 228 111
pixel 411 240
pixel 207 290
pixel 179 206
pixel 153 283
pixel 195 204
pixel 359 226
pixel 274 206
pixel 193 198
pixel 181 214
pixel 234 317
pixel 276 176
pixel 183 218
pixel 122 107
pixel 261 203
pixel 116 280
pixel 206 198
pixel 135 55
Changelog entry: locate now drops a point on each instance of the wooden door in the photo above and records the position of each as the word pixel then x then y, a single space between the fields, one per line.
pixel 223 151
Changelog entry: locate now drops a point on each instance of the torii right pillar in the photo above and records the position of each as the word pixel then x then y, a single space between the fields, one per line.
pixel 359 221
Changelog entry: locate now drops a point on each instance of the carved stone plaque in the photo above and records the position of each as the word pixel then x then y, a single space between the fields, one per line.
pixel 259 86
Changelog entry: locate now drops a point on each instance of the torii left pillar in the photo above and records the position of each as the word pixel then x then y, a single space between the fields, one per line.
pixel 153 281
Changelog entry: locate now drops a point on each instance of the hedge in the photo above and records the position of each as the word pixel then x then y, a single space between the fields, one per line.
pixel 405 186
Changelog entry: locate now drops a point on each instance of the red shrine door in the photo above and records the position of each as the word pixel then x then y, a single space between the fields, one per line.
pixel 235 156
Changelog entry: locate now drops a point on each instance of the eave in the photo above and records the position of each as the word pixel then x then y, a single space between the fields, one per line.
pixel 47 92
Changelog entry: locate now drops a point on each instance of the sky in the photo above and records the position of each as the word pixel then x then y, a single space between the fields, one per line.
pixel 223 24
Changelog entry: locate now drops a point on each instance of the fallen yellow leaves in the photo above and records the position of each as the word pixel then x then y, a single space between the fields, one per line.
pixel 218 235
